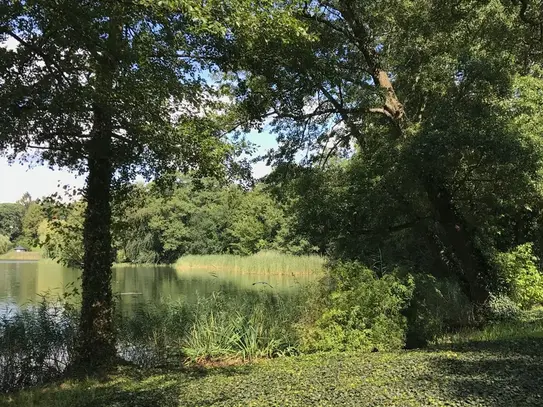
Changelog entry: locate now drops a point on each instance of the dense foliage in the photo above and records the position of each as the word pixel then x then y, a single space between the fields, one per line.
pixel 11 220
pixel 5 244
pixel 409 151
pixel 362 312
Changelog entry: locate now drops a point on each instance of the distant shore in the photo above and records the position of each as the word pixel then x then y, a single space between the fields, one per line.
pixel 22 256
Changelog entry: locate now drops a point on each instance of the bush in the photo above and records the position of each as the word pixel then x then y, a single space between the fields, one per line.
pixel 5 244
pixel 502 308
pixel 438 306
pixel 521 279
pixel 361 311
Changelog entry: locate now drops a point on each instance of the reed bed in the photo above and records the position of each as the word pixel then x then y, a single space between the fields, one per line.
pixel 267 262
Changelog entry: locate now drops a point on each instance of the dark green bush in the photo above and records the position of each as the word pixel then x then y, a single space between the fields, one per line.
pixel 438 306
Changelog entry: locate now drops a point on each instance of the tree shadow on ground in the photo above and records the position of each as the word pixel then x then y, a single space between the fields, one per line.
pixel 494 373
pixel 129 386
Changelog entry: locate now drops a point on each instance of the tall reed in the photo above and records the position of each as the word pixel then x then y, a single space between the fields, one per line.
pixel 36 344
pixel 260 324
pixel 264 262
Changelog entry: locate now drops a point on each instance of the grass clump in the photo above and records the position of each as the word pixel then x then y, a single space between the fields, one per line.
pixel 260 326
pixel 216 327
pixel 36 344
pixel 269 262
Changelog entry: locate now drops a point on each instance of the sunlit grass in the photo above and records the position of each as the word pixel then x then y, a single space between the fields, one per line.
pixel 529 325
pixel 22 256
pixel 264 262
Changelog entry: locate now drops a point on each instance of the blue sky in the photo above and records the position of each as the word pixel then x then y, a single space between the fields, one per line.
pixel 41 181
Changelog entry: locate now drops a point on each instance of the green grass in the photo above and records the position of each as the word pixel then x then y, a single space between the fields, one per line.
pixel 498 374
pixel 263 262
pixel 528 326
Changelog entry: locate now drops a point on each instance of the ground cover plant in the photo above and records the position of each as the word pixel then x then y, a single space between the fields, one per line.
pixel 497 373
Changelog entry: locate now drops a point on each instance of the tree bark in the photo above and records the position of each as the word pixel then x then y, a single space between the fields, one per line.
pixel 96 342
pixel 96 346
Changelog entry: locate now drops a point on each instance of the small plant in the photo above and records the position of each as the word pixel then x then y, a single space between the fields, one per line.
pixel 502 308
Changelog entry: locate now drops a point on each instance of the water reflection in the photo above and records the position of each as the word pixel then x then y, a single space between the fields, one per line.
pixel 24 282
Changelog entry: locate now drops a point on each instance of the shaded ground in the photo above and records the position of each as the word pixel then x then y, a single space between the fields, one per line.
pixel 499 373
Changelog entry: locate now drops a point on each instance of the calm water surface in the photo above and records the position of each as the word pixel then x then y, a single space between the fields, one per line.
pixel 24 282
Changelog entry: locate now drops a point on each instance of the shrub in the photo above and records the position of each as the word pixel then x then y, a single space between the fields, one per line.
pixel 361 311
pixel 438 306
pixel 5 244
pixel 502 308
pixel 521 279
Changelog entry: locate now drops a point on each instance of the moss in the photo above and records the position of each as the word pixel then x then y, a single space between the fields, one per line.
pixel 494 373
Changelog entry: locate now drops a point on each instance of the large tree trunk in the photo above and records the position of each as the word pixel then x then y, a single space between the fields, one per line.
pixel 96 346
pixel 96 343
pixel 456 235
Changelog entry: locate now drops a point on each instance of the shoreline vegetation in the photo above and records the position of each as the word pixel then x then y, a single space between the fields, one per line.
pixel 266 262
pixel 445 374
pixel 22 256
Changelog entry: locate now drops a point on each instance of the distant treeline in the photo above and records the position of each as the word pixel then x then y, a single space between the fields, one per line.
pixel 153 225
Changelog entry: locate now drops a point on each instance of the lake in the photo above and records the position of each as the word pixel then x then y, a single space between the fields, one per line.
pixel 24 282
